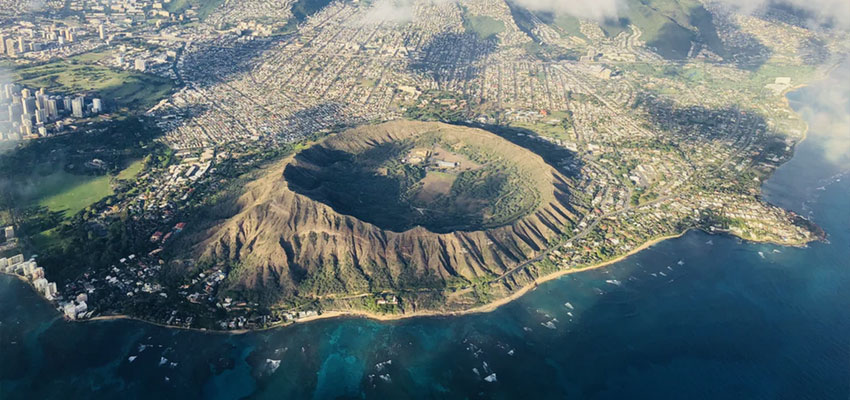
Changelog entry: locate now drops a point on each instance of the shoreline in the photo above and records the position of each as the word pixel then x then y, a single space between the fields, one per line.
pixel 480 309
pixel 485 308
pixel 332 314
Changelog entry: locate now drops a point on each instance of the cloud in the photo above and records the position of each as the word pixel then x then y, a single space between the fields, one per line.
pixel 398 11
pixel 395 11
pixel 827 108
pixel 833 12
pixel 402 11
pixel 590 9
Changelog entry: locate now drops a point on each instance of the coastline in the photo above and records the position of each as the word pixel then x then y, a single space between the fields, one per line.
pixel 485 308
pixel 489 307
pixel 331 314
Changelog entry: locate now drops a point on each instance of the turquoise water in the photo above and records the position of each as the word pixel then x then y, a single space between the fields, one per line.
pixel 696 317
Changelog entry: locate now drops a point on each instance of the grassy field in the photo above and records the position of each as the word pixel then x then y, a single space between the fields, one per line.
pixel 483 26
pixel 131 171
pixel 569 25
pixel 123 88
pixel 204 8
pixel 61 191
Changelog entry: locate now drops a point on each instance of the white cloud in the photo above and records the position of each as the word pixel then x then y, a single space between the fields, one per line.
pixel 827 108
pixel 398 11
pixel 590 9
pixel 401 11
pixel 823 11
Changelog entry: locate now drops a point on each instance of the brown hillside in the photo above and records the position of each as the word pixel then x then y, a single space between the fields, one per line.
pixel 294 245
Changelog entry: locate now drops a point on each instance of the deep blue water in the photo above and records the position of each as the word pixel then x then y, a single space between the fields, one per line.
pixel 728 323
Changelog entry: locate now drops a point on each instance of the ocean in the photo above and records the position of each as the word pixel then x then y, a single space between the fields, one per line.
pixel 697 317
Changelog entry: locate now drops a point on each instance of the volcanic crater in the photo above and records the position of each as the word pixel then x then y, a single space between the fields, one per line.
pixel 394 206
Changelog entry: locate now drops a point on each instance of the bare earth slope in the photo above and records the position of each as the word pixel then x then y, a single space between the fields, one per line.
pixel 294 246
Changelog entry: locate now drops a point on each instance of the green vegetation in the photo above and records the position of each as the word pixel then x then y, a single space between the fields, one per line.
pixel 72 193
pixel 569 25
pixel 203 7
pixel 69 194
pixel 669 26
pixel 426 181
pixel 445 107
pixel 75 75
pixel 301 10
pixel 483 26
pixel 53 196
pixel 131 171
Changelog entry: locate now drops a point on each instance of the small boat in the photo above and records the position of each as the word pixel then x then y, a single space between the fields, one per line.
pixel 761 254
pixel 569 305
pixel 490 378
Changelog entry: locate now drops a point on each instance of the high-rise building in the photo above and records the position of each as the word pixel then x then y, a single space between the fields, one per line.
pixel 29 105
pixel 96 106
pixel 101 32
pixel 11 90
pixel 15 111
pixel 26 93
pixel 21 47
pixel 2 44
pixel 10 47
pixel 77 109
pixel 40 116
pixel 66 103
pixel 52 108
pixel 140 65
pixel 26 128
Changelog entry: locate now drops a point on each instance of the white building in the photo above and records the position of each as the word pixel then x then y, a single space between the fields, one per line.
pixel 96 106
